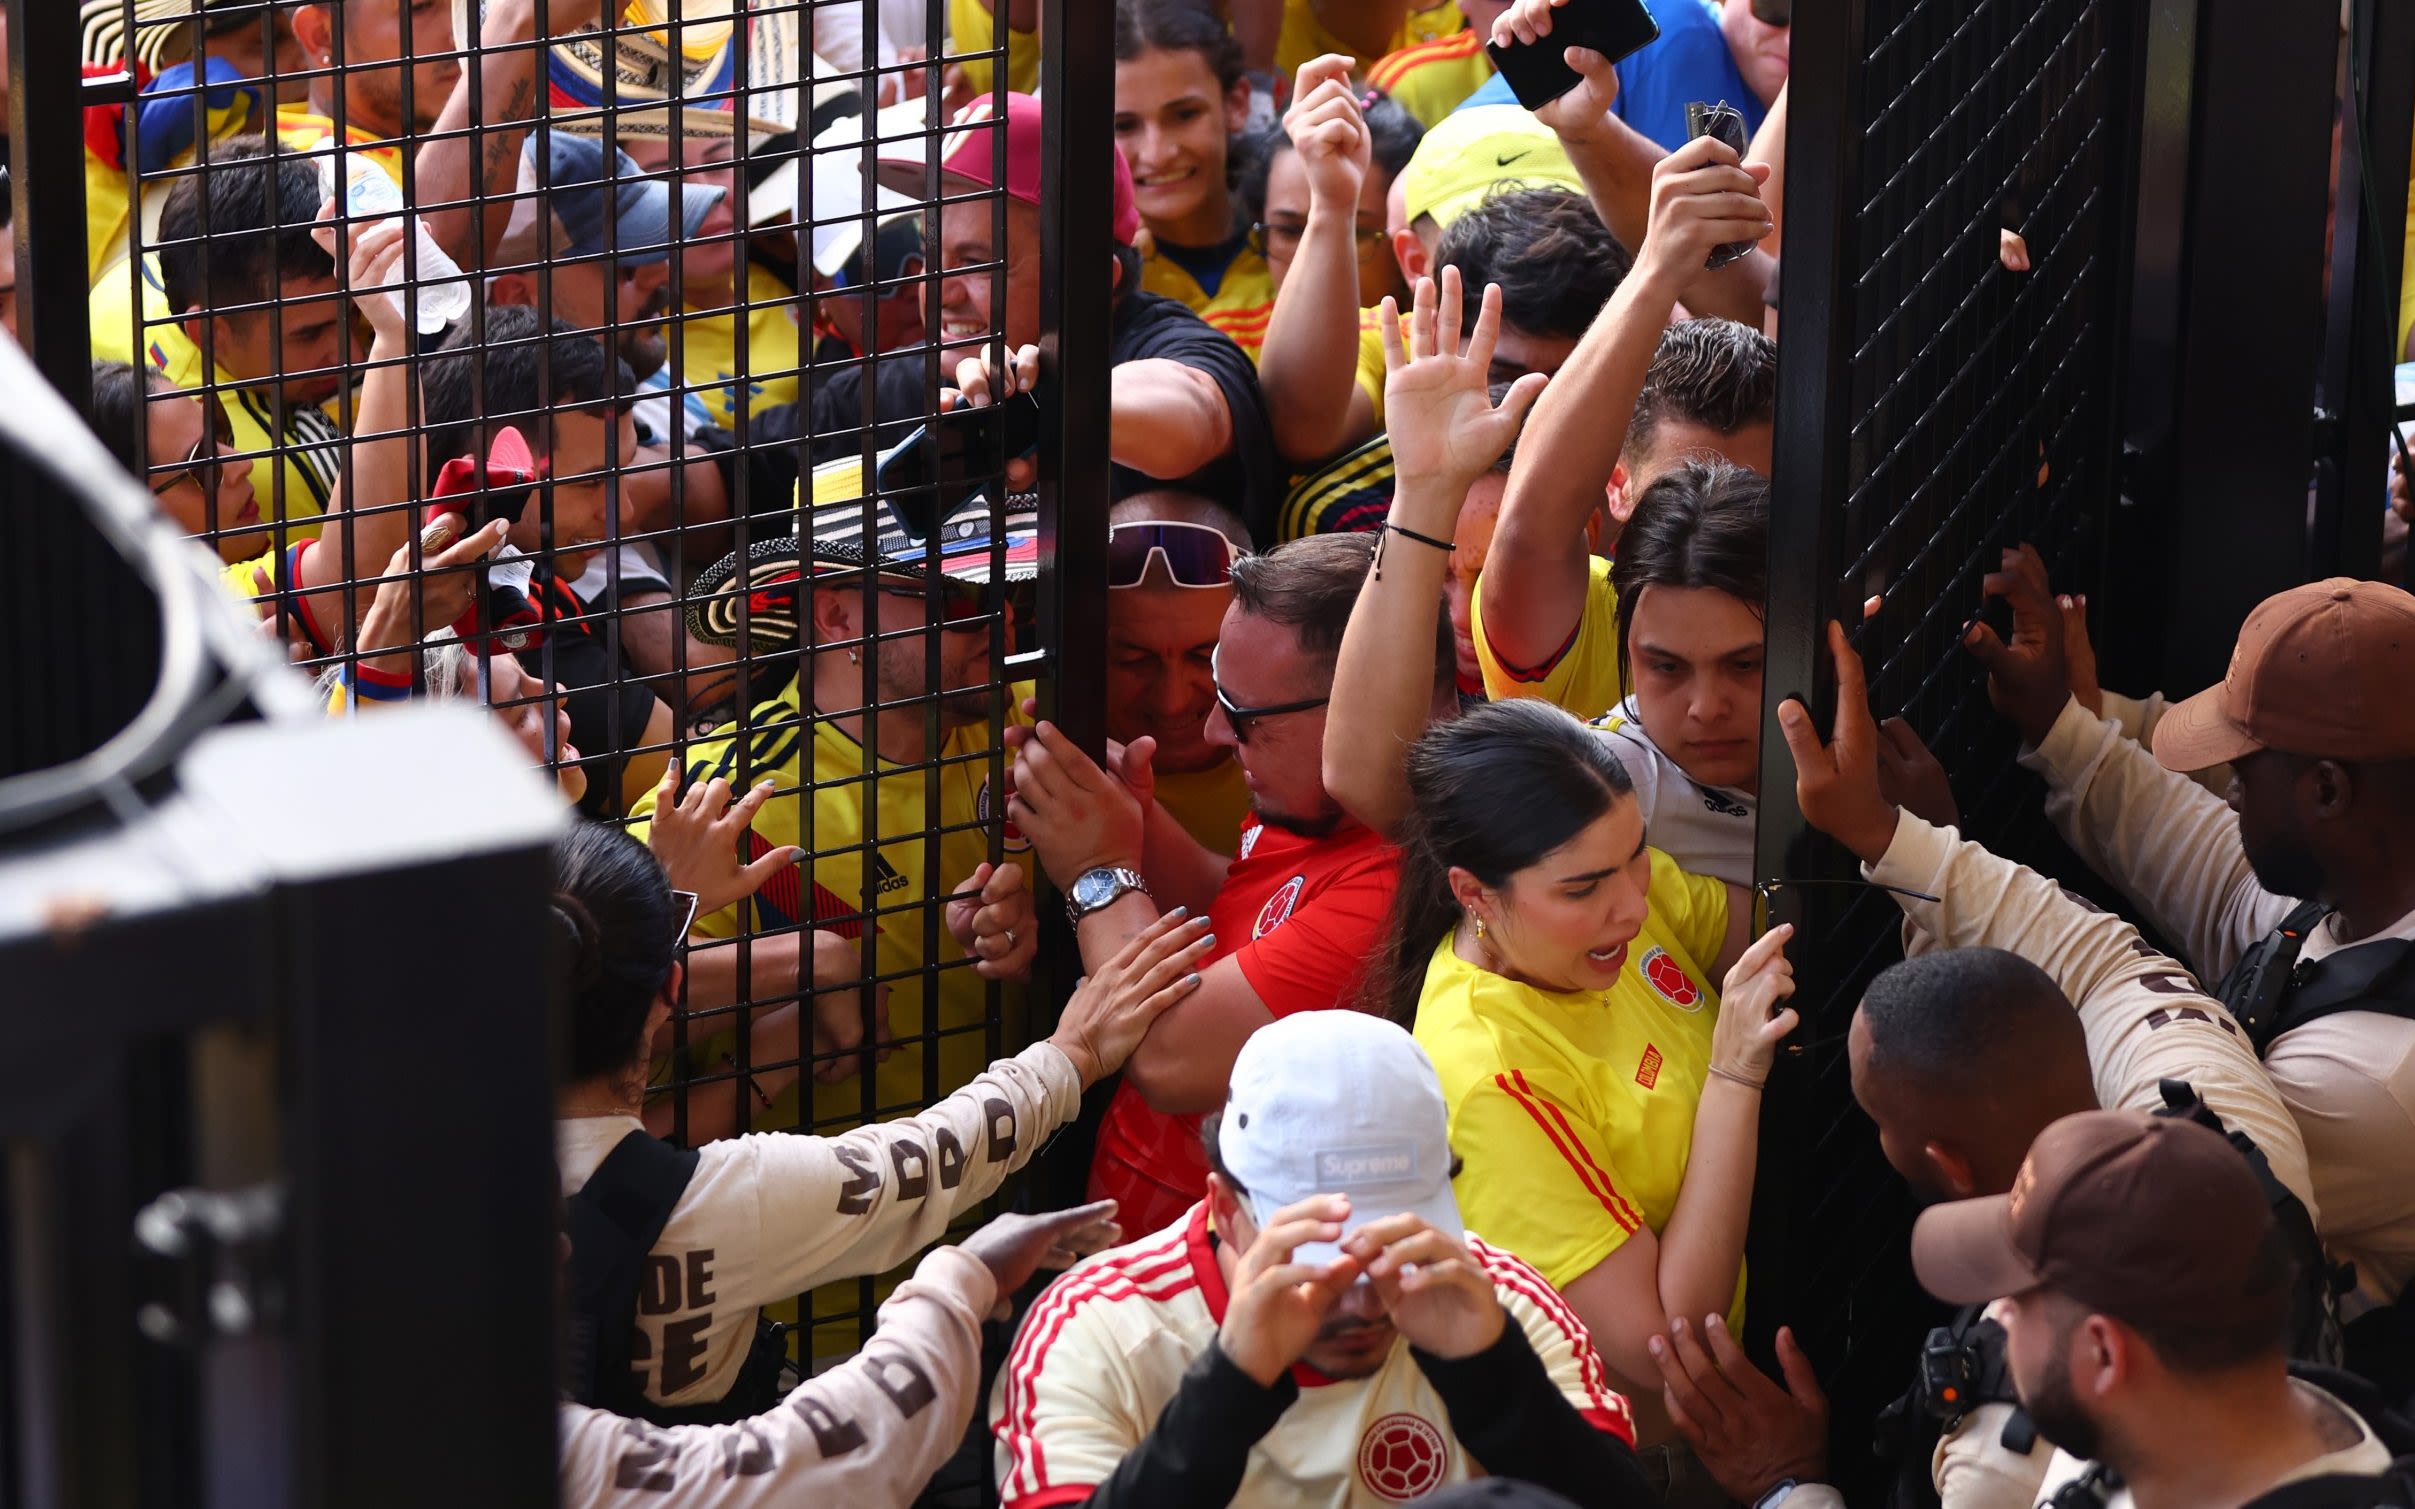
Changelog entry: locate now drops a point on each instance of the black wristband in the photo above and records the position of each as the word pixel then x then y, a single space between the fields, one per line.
pixel 1445 546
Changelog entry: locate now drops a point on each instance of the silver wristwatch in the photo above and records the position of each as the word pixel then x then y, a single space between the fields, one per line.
pixel 1093 889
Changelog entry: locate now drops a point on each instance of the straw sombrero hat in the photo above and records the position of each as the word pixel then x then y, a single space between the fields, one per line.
pixel 673 52
pixel 766 577
pixel 161 29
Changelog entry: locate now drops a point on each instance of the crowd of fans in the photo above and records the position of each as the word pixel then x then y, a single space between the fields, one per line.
pixel 1412 894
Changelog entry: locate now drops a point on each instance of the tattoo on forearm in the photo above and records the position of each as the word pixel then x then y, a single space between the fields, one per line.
pixel 500 146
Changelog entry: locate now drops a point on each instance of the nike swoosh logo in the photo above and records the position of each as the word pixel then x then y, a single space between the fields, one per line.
pixel 1503 162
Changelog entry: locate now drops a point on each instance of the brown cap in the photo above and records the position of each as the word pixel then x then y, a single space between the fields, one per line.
pixel 2321 669
pixel 2144 1218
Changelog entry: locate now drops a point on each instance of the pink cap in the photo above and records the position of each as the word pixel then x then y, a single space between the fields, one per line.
pixel 968 152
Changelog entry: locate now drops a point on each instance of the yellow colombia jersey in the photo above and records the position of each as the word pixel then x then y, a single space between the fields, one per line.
pixel 1210 804
pixel 889 892
pixel 971 27
pixel 1243 301
pixel 308 443
pixel 1305 37
pixel 1583 677
pixel 1574 1111
pixel 710 356
pixel 1434 78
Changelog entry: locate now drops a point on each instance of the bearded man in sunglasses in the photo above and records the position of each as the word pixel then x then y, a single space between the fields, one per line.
pixel 1295 911
pixel 1170 561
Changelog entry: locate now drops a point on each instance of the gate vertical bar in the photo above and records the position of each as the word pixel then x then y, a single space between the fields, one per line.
pixel 45 107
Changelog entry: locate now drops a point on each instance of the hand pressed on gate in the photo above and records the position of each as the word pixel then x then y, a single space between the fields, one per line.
pixel 1744 1040
pixel 993 920
pixel 1837 784
pixel 2029 679
pixel 1912 778
pixel 1750 1434
pixel 1077 816
pixel 697 833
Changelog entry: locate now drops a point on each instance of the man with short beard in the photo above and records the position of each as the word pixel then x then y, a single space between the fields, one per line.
pixel 1296 910
pixel 2299 896
pixel 2150 1289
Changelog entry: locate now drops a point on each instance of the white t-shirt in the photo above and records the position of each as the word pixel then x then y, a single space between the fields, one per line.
pixel 1706 829
pixel 1104 1350
pixel 771 1214
pixel 2367 1456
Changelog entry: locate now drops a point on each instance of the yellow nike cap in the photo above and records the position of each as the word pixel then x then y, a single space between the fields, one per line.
pixel 1459 163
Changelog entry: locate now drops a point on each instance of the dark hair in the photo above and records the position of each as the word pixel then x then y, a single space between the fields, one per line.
pixel 1178 26
pixel 1703 524
pixel 524 379
pixel 1711 372
pixel 1952 1019
pixel 612 922
pixel 119 391
pixel 1211 1126
pixel 1392 138
pixel 1310 584
pixel 1556 262
pixel 1490 792
pixel 237 230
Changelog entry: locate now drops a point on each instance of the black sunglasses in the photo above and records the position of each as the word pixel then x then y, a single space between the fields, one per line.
pixel 1242 717
pixel 200 464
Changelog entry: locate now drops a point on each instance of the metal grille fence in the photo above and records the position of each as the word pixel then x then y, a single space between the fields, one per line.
pixel 1935 408
pixel 719 390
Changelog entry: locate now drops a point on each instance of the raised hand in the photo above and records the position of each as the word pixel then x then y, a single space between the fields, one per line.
pixel 1437 1293
pixel 1438 407
pixel 1580 111
pixel 1112 1010
pixel 1912 778
pixel 1278 1305
pixel 1836 784
pixel 1749 1433
pixel 1329 133
pixel 696 836
pixel 1745 1035
pixel 374 252
pixel 2029 679
pixel 1014 1247
pixel 1703 196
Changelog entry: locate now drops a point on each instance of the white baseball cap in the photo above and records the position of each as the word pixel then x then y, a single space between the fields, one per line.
pixel 1339 1103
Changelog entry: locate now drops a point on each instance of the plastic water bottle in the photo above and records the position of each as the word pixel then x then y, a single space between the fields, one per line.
pixel 372 197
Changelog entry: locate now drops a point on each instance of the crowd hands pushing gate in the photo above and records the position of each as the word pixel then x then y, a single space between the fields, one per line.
pixel 1413 890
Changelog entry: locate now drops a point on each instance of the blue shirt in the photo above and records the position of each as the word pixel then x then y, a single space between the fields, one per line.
pixel 1690 62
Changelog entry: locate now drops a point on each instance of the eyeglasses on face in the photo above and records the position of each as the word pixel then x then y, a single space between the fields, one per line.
pixel 962 604
pixel 200 465
pixel 1243 718
pixel 683 903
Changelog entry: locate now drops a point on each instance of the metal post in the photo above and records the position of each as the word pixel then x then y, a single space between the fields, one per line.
pixel 46 97
pixel 2367 247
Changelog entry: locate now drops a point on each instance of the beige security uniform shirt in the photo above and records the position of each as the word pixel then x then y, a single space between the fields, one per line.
pixel 2173 848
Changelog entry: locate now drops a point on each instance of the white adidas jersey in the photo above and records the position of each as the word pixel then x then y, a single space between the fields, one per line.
pixel 1706 829
pixel 1104 1351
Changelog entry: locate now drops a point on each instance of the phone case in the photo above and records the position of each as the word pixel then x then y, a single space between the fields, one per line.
pixel 1725 122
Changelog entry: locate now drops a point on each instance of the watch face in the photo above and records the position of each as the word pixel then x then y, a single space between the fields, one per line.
pixel 1094 888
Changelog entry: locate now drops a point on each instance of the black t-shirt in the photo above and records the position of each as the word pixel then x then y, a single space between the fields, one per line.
pixel 1145 326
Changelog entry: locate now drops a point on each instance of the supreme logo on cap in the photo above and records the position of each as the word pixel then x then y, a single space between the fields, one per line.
pixel 1388 1163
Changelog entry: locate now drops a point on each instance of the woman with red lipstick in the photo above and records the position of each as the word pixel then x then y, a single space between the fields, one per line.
pixel 1604 1099
pixel 1179 98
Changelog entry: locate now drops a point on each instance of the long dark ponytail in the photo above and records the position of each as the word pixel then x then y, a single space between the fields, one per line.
pixel 1490 792
pixel 612 925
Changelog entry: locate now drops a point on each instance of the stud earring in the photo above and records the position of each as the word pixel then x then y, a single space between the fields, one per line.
pixel 851 660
